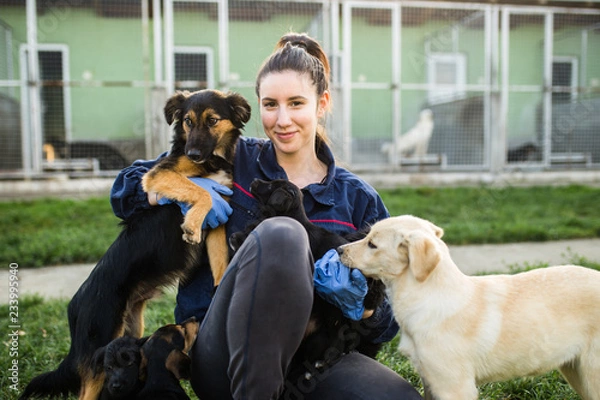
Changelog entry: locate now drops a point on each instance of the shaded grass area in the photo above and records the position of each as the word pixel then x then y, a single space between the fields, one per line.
pixel 50 231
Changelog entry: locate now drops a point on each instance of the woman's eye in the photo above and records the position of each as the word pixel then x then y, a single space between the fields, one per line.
pixel 270 104
pixel 188 122
pixel 212 121
pixel 371 245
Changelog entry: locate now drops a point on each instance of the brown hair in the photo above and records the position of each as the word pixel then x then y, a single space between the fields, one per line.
pixel 303 54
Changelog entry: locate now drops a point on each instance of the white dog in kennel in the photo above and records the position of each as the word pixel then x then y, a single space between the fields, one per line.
pixel 414 142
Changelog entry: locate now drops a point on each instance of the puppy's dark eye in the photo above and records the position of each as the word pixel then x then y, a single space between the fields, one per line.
pixel 371 245
pixel 212 121
pixel 187 122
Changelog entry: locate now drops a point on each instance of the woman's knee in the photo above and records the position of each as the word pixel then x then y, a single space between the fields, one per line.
pixel 283 233
pixel 283 249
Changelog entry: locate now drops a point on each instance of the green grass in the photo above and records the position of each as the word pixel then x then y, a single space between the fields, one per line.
pixel 44 341
pixel 503 215
pixel 50 231
pixel 46 232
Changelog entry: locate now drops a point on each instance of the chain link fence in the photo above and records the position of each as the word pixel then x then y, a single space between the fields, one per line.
pixel 417 86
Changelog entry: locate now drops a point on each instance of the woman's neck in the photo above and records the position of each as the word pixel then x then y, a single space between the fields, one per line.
pixel 302 170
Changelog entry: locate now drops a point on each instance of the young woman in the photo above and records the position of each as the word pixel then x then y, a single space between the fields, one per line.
pixel 257 317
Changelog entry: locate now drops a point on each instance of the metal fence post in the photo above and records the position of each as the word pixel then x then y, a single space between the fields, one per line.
pixel 33 154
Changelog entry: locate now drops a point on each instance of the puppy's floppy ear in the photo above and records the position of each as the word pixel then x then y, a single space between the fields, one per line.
pixel 179 364
pixel 439 232
pixel 142 372
pixel 284 199
pixel 97 362
pixel 174 104
pixel 423 255
pixel 143 359
pixel 190 328
pixel 240 107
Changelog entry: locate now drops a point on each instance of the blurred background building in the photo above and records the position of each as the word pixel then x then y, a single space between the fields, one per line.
pixel 509 85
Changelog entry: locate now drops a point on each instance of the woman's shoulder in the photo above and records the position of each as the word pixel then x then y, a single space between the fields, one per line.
pixel 368 205
pixel 250 142
pixel 347 178
pixel 249 147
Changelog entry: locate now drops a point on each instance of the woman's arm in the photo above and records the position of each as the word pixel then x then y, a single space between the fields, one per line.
pixel 127 195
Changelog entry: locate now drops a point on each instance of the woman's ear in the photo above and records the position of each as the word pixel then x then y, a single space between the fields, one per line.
pixel 323 104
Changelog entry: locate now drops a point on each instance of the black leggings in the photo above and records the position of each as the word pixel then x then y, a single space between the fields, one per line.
pixel 256 322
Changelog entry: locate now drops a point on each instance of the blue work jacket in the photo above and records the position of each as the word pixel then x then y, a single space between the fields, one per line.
pixel 342 203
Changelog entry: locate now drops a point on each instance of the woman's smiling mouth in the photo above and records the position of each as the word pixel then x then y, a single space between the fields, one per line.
pixel 285 135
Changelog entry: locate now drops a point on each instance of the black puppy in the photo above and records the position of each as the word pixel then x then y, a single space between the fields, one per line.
pixel 120 362
pixel 165 361
pixel 331 333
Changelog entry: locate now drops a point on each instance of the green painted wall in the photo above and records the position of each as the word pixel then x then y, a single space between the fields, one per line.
pixel 15 18
pixel 106 49
pixel 110 49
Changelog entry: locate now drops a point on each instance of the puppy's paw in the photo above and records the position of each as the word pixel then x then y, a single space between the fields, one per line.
pixel 191 235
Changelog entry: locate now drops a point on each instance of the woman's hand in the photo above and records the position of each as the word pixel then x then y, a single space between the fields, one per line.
pixel 220 211
pixel 368 314
pixel 344 287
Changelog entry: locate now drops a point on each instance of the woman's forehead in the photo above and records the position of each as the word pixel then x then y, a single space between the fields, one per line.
pixel 286 83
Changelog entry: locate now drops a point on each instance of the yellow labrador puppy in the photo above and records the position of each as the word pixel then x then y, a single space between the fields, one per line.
pixel 461 331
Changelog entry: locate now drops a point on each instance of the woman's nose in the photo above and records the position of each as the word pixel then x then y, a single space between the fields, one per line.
pixel 283 118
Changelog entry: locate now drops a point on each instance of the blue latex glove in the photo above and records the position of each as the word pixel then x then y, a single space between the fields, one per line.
pixel 343 287
pixel 220 211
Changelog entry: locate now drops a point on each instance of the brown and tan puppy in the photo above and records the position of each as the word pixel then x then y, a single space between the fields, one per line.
pixel 461 331
pixel 149 253
pixel 206 126
pixel 165 361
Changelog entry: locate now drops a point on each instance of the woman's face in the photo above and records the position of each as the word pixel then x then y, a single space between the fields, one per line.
pixel 290 110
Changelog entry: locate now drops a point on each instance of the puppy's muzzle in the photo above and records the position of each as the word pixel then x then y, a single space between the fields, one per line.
pixel 195 155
